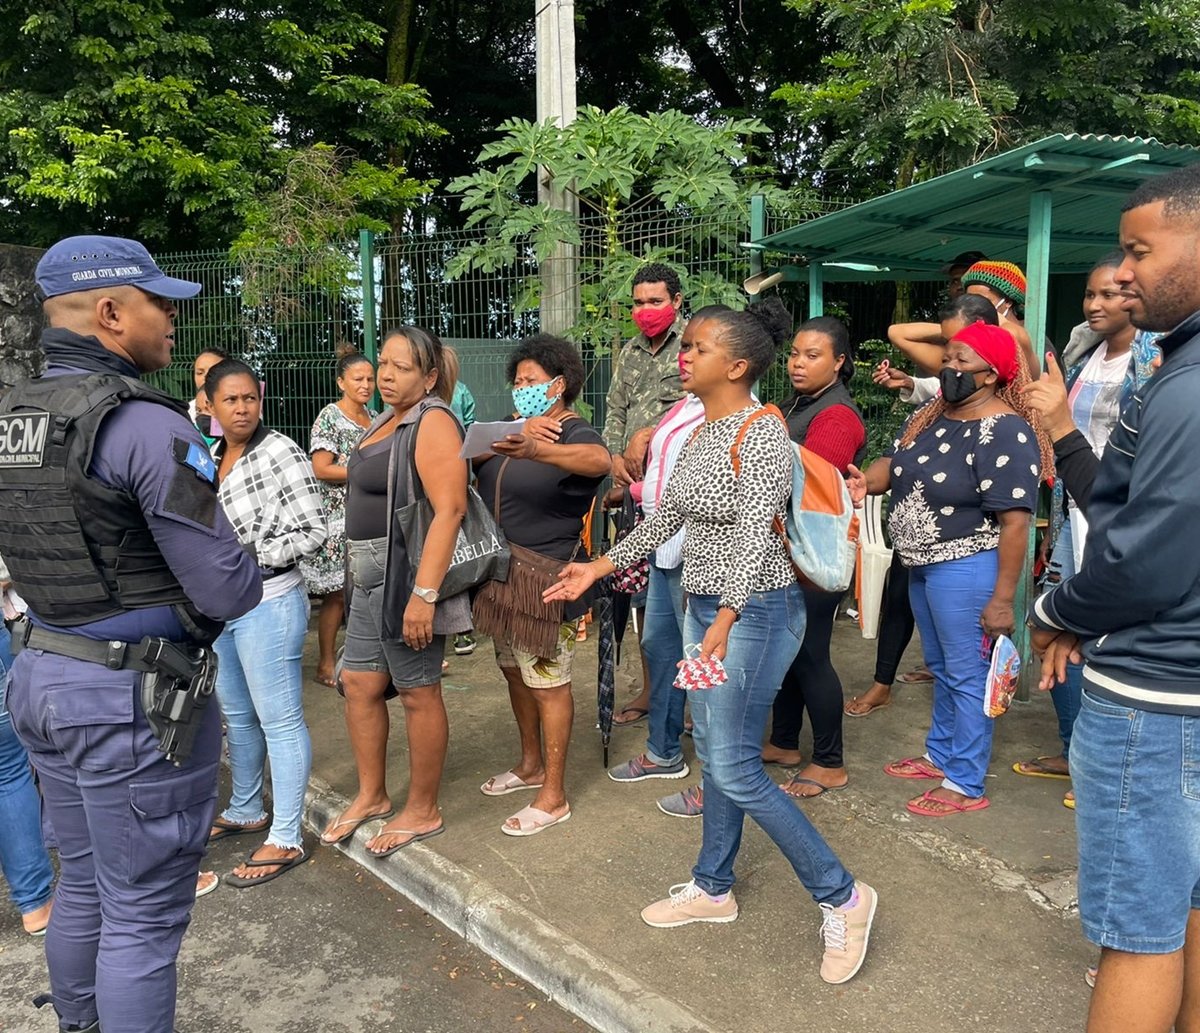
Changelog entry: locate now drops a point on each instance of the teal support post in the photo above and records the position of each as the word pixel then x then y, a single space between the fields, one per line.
pixel 816 291
pixel 1037 280
pixel 366 260
pixel 758 230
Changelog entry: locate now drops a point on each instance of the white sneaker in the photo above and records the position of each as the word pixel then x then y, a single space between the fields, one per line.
pixel 845 931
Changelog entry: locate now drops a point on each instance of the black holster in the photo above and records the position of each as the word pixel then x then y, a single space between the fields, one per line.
pixel 176 687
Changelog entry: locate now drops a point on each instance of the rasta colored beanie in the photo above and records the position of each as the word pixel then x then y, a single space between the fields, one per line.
pixel 1004 278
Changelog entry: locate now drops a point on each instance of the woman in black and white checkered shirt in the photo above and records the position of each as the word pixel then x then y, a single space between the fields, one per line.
pixel 271 498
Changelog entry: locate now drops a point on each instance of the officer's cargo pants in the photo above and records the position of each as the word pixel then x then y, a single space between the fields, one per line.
pixel 131 830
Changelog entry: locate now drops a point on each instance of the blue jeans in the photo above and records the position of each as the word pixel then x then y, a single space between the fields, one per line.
pixel 947 600
pixel 23 856
pixel 1065 695
pixel 730 720
pixel 1137 813
pixel 662 646
pixel 258 684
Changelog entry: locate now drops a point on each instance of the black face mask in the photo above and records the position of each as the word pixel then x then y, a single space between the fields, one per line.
pixel 204 424
pixel 957 385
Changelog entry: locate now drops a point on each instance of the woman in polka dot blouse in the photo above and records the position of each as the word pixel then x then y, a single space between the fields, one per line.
pixel 964 477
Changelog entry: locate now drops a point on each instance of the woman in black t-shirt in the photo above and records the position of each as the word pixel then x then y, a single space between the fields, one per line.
pixel 546 477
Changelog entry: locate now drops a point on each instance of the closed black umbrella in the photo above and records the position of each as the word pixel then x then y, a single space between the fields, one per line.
pixel 606 666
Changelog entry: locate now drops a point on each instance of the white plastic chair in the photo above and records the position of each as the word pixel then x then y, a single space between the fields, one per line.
pixel 874 560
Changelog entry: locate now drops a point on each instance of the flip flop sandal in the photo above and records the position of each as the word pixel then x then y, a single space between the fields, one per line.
pixel 414 837
pixel 203 889
pixel 796 781
pixel 918 767
pixel 284 865
pixel 532 820
pixel 226 829
pixel 927 811
pixel 915 677
pixel 1069 801
pixel 641 712
pixel 502 785
pixel 871 708
pixel 354 823
pixel 1036 769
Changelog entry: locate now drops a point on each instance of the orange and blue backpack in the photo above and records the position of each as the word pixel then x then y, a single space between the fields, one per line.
pixel 820 527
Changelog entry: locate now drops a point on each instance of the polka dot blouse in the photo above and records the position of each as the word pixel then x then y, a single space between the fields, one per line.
pixel 949 484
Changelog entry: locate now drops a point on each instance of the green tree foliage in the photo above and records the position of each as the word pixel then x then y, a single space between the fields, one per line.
pixel 912 88
pixel 626 172
pixel 169 119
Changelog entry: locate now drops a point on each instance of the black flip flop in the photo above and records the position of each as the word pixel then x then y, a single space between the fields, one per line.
pixel 285 865
pixel 642 714
pixel 796 780
pixel 226 829
pixel 413 837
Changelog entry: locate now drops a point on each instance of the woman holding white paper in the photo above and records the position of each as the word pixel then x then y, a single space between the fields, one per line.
pixel 541 483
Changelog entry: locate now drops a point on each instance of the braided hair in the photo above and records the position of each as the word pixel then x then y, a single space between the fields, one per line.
pixel 1010 394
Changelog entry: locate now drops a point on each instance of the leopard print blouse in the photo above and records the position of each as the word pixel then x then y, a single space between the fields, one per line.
pixel 729 547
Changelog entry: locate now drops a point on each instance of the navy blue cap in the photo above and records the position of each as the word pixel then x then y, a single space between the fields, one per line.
pixel 88 263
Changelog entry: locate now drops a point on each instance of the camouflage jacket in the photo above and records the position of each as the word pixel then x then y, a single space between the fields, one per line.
pixel 644 386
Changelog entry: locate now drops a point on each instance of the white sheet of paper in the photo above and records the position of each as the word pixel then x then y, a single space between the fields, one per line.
pixel 481 435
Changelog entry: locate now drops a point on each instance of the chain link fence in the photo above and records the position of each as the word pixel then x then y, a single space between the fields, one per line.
pixel 288 312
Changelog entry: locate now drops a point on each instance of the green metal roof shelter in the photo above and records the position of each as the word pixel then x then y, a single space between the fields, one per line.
pixel 1052 207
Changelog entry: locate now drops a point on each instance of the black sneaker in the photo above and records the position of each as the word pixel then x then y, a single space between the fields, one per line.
pixel 464 645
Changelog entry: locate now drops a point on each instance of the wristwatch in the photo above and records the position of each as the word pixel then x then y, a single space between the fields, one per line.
pixel 430 595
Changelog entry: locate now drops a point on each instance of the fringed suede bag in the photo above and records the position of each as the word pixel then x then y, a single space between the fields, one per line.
pixel 513 610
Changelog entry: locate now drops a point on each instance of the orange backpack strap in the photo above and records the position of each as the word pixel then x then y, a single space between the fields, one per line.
pixel 766 410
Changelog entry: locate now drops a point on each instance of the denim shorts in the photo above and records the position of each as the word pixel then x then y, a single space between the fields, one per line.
pixel 366 649
pixel 1137 790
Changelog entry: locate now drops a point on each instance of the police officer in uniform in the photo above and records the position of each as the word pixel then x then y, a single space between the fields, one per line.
pixel 110 525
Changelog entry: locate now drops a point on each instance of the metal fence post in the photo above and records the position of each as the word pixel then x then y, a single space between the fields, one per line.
pixel 366 264
pixel 758 229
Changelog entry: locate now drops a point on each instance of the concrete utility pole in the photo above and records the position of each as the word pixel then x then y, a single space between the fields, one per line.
pixel 555 27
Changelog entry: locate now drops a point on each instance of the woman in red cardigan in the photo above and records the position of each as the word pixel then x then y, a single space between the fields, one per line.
pixel 823 418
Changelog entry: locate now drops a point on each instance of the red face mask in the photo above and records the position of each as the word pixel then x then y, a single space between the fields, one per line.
pixel 654 321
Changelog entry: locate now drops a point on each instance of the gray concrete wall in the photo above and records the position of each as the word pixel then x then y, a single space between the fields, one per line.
pixel 20 315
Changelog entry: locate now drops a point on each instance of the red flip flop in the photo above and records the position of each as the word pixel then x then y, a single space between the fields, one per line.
pixel 918 767
pixel 916 807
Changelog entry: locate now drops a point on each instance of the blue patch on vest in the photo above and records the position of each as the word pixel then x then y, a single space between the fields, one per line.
pixel 200 461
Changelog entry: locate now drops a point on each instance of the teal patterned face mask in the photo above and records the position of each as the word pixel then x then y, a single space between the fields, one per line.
pixel 533 399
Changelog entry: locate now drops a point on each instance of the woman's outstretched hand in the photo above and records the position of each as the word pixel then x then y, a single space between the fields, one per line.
pixel 856 484
pixel 573 580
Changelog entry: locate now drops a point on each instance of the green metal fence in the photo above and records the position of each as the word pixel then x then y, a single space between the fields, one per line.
pixel 287 312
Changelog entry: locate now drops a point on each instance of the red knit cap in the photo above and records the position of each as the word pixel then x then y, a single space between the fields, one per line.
pixel 995 345
pixel 1004 278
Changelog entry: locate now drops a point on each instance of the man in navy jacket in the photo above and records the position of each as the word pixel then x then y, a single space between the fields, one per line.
pixel 1133 611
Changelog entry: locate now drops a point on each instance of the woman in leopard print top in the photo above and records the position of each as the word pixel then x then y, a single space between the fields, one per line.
pixel 745 608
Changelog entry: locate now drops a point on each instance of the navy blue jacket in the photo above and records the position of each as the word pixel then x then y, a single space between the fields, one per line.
pixel 1136 600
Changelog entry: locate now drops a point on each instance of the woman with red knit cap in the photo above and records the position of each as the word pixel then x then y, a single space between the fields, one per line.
pixel 1003 284
pixel 964 475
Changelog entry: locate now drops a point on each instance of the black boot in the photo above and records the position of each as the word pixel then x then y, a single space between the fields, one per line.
pixel 44 999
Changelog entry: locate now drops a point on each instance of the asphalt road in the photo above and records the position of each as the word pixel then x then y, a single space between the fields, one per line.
pixel 324 949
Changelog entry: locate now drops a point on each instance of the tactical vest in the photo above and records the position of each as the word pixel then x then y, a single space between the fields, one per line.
pixel 800 410
pixel 78 550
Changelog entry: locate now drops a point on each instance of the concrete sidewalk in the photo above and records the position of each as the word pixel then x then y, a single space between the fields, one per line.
pixel 975 923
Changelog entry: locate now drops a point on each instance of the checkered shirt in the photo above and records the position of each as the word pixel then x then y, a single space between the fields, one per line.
pixel 272 499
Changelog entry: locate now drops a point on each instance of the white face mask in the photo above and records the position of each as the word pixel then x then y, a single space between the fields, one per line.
pixel 1003 308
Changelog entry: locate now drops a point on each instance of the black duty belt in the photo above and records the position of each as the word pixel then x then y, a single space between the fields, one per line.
pixel 116 656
